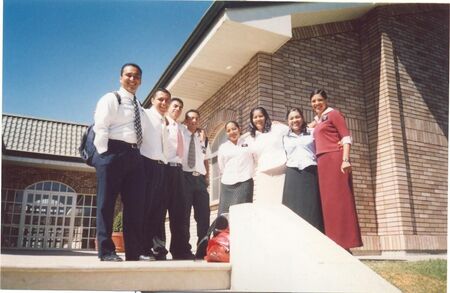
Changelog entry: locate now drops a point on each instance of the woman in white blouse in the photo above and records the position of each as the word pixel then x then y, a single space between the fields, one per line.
pixel 266 144
pixel 301 187
pixel 236 167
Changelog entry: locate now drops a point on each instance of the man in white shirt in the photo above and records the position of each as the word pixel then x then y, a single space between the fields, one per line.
pixel 176 204
pixel 196 178
pixel 155 153
pixel 119 165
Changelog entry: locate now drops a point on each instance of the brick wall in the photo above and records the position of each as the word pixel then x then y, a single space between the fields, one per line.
pixel 20 177
pixel 387 72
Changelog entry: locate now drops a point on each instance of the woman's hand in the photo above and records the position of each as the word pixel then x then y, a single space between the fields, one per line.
pixel 346 167
pixel 312 124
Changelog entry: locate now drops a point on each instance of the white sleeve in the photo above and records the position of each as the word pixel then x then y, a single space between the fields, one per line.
pixel 104 114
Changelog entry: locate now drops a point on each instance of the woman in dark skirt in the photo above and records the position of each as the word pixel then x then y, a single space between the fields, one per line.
pixel 236 167
pixel 301 190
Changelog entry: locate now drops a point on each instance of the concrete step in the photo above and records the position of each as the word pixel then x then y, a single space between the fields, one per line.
pixel 83 271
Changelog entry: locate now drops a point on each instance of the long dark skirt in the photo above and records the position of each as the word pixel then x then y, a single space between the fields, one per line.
pixel 338 202
pixel 301 195
pixel 240 192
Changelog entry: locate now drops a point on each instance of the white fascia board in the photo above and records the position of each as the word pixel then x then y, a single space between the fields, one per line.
pixel 261 18
pixel 197 51
pixel 45 163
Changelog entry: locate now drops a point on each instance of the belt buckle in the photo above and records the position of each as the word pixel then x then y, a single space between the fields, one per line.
pixel 195 173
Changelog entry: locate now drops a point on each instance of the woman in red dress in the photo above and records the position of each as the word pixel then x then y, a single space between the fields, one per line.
pixel 334 172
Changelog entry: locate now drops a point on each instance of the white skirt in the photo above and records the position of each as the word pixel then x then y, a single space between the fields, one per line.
pixel 269 186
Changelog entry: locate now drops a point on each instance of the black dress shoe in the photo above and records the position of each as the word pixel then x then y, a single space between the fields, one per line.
pixel 185 256
pixel 160 257
pixel 146 258
pixel 111 257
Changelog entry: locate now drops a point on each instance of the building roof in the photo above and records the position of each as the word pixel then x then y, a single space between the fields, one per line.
pixel 231 32
pixel 41 137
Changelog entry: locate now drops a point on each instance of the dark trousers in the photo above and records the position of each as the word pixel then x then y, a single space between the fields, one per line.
pixel 155 198
pixel 196 195
pixel 120 170
pixel 176 206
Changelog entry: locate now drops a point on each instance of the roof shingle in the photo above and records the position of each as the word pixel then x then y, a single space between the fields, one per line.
pixel 41 136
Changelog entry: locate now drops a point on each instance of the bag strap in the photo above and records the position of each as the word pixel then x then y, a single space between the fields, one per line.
pixel 119 99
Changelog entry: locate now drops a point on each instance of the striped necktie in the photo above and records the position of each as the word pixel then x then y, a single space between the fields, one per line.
pixel 137 122
pixel 191 152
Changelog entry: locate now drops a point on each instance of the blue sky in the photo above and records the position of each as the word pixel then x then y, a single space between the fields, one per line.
pixel 61 56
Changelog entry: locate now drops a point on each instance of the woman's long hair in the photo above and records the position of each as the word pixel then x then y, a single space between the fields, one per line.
pixel 303 128
pixel 267 122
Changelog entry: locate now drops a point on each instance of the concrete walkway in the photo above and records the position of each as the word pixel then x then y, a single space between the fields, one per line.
pixel 82 270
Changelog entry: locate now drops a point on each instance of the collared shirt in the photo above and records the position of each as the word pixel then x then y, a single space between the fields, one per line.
pixel 345 139
pixel 202 153
pixel 235 162
pixel 114 121
pixel 268 147
pixel 330 129
pixel 173 129
pixel 152 123
pixel 300 149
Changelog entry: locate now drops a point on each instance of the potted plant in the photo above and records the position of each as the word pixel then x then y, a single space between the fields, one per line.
pixel 117 235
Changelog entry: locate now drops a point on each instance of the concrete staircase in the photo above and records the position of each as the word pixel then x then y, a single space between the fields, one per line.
pixel 83 271
pixel 272 250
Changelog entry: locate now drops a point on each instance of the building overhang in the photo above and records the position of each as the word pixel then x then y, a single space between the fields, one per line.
pixel 231 33
pixel 46 161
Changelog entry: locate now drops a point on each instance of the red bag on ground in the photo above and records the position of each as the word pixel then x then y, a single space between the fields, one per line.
pixel 218 249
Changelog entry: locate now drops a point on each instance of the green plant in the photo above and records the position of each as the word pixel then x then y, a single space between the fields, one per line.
pixel 118 224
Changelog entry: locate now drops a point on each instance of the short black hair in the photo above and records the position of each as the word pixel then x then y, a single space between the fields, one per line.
pixel 234 122
pixel 161 89
pixel 130 64
pixel 175 99
pixel 321 92
pixel 191 111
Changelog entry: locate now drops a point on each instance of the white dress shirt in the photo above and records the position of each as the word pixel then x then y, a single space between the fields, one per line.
pixel 202 153
pixel 114 121
pixel 235 162
pixel 268 147
pixel 173 129
pixel 152 123
pixel 300 149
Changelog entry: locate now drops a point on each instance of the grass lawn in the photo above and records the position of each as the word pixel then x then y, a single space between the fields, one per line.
pixel 413 276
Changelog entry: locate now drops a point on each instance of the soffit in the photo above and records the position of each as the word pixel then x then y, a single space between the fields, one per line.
pixel 240 33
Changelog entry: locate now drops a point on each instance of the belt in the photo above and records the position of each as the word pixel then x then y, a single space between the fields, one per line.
pixel 159 162
pixel 113 143
pixel 195 173
pixel 174 164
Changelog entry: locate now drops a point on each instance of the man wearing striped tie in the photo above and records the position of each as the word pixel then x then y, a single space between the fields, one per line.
pixel 119 166
pixel 196 177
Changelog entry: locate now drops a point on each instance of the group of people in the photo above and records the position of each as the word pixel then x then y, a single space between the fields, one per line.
pixel 157 164
pixel 303 166
pixel 160 165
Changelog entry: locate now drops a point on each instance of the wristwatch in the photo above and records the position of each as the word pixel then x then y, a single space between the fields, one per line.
pixel 346 160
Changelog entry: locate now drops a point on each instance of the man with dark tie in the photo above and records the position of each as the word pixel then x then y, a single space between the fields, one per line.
pixel 154 150
pixel 119 166
pixel 176 203
pixel 196 177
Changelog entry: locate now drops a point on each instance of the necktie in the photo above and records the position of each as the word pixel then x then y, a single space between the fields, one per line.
pixel 191 152
pixel 164 142
pixel 137 122
pixel 180 144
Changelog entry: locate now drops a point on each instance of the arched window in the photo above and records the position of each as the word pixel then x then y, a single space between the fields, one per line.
pixel 52 216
